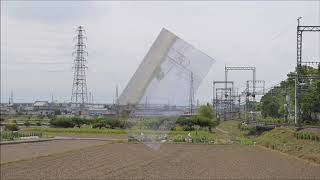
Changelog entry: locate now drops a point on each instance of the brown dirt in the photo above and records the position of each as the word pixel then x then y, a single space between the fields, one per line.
pixel 16 152
pixel 171 161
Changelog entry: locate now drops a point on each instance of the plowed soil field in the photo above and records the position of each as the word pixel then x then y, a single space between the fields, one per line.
pixel 171 161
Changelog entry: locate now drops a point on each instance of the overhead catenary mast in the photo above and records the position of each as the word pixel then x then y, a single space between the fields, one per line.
pixel 191 90
pixel 298 76
pixel 79 97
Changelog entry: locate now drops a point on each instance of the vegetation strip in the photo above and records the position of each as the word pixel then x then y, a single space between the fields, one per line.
pixel 25 141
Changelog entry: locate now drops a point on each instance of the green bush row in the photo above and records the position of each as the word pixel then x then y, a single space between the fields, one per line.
pixel 10 135
pixel 100 122
pixel 202 139
pixel 197 120
pixel 11 127
pixel 306 136
pixel 250 129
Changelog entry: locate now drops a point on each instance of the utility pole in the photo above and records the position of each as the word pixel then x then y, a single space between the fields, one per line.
pixel 52 100
pixel 79 97
pixel 286 106
pixel 191 97
pixel 90 100
pixel 117 101
pixel 11 98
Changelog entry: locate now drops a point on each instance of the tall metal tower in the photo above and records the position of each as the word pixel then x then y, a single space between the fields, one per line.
pixel 245 68
pixel 79 97
pixel 299 77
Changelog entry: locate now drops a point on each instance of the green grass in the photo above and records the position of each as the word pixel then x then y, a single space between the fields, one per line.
pixel 198 136
pixel 284 139
pixel 270 119
pixel 234 134
pixel 78 130
pixel 230 134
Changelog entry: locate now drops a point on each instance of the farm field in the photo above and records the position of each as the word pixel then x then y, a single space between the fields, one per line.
pixel 171 161
pixel 16 152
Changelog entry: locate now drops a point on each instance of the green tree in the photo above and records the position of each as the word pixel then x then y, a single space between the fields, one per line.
pixel 11 127
pixel 57 112
pixel 64 122
pixel 206 111
pixel 27 123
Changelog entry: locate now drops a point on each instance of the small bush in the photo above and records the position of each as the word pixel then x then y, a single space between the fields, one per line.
pixel 62 122
pixel 27 123
pixel 188 128
pixel 203 139
pixel 11 127
pixel 13 121
pixel 38 123
pixel 173 128
pixel 306 135
pixel 197 120
pixel 179 139
pixel 77 121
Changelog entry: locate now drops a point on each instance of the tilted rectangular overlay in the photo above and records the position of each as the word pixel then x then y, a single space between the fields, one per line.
pixel 168 74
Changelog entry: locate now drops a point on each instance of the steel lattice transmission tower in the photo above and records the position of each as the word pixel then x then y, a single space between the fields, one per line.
pixel 79 97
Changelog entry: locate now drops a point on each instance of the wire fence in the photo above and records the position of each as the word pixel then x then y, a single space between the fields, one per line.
pixel 15 135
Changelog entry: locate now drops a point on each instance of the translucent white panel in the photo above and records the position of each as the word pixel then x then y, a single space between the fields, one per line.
pixel 171 71
pixel 163 87
pixel 172 81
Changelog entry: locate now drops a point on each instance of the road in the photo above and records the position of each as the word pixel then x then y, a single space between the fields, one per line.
pixel 171 161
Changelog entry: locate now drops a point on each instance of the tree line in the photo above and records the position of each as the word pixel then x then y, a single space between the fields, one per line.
pixel 272 103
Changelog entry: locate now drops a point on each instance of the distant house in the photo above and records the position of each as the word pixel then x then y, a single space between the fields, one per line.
pixel 93 111
pixel 42 107
pixel 7 109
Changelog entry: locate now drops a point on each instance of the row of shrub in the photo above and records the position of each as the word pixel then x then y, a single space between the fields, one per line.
pixel 99 122
pixel 11 135
pixel 307 135
pixel 197 120
pixel 11 127
pixel 203 139
pixel 270 119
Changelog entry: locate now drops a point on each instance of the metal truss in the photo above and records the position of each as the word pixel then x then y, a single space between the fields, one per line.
pixel 244 68
pixel 298 77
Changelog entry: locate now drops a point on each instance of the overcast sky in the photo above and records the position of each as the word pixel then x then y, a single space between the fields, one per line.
pixel 37 42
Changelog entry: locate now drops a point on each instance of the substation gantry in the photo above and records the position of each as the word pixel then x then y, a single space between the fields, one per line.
pixel 298 77
pixel 244 68
pixel 227 96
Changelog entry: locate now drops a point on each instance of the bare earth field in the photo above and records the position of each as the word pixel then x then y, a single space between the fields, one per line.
pixel 15 152
pixel 171 161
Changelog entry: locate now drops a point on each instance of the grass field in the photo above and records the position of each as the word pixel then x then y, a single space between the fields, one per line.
pixel 78 130
pixel 283 139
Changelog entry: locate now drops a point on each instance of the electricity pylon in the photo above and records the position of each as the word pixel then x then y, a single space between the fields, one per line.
pixel 79 97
